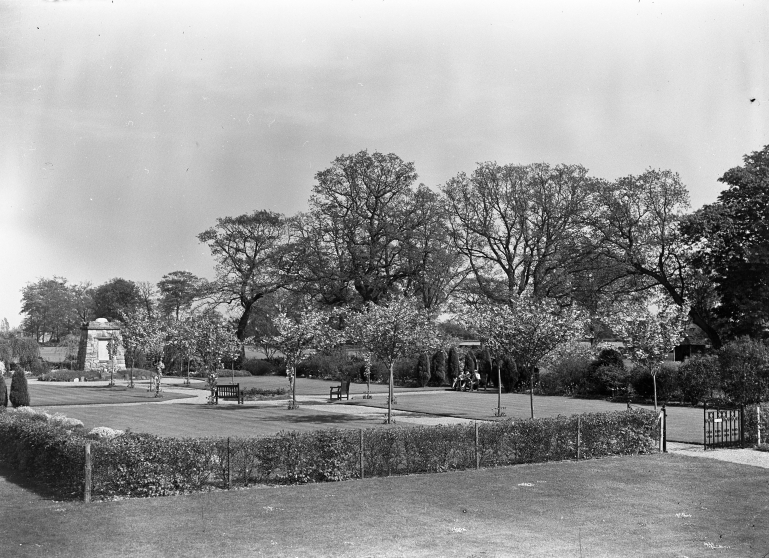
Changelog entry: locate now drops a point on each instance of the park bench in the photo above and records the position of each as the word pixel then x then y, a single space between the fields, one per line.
pixel 339 391
pixel 229 391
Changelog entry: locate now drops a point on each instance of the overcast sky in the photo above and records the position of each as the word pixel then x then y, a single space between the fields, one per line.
pixel 128 126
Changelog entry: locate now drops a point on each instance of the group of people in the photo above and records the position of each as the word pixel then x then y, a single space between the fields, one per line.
pixel 467 381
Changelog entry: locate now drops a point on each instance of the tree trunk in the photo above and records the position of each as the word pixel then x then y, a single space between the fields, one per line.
pixel 390 395
pixel 531 390
pixel 248 304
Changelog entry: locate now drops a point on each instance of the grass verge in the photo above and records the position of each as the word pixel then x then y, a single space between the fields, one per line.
pixel 660 505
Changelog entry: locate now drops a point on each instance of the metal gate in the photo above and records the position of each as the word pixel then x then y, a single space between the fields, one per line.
pixel 723 428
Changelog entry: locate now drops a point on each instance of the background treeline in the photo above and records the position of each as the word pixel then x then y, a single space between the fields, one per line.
pixel 500 232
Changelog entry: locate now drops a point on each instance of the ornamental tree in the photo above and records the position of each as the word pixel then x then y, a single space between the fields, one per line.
pixel 650 333
pixel 393 330
pixel 525 330
pixel 295 337
pixel 143 333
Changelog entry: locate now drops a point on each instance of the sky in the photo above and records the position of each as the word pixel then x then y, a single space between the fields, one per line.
pixel 127 127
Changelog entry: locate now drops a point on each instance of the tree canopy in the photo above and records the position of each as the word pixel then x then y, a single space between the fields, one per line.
pixel 730 241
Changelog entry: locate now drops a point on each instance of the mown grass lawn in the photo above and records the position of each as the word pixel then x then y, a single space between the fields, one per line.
pixel 44 394
pixel 658 505
pixel 221 421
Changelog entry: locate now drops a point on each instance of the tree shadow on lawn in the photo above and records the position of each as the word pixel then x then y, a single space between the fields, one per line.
pixel 296 416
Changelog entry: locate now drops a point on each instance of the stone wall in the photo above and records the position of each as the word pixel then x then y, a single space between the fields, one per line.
pixel 92 353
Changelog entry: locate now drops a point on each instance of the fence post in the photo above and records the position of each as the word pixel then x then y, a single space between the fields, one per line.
pixel 742 425
pixel 579 434
pixel 758 422
pixel 704 427
pixel 477 455
pixel 661 419
pixel 88 481
pixel 229 469
pixel 664 429
pixel 360 454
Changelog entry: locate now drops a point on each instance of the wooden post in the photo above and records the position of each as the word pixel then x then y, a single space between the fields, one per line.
pixel 579 434
pixel 758 422
pixel 360 455
pixel 88 472
pixel 664 429
pixel 661 419
pixel 477 455
pixel 229 470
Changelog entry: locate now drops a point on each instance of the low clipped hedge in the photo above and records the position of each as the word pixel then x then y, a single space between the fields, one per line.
pixel 147 465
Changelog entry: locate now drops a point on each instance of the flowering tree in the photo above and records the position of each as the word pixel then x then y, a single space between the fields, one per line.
pixel 525 329
pixel 651 334
pixel 391 331
pixel 143 333
pixel 296 336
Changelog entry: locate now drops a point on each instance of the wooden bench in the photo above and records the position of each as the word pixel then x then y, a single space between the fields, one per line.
pixel 229 391
pixel 339 391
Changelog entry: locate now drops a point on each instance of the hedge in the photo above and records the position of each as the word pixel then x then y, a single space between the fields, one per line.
pixel 147 465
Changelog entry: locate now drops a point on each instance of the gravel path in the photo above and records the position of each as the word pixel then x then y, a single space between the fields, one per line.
pixel 747 456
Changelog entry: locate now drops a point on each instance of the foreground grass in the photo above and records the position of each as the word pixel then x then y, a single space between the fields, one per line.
pixel 661 505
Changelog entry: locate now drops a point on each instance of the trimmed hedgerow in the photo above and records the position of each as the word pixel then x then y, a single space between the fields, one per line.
pixel 147 465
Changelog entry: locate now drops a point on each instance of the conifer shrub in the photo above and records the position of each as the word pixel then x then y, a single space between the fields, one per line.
pixel 470 363
pixel 3 393
pixel 509 373
pixel 452 366
pixel 423 369
pixel 19 395
pixel 438 368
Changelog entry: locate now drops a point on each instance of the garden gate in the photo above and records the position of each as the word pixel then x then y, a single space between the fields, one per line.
pixel 723 428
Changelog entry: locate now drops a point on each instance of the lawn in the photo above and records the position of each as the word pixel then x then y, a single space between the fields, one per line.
pixel 659 505
pixel 684 423
pixel 216 421
pixel 44 394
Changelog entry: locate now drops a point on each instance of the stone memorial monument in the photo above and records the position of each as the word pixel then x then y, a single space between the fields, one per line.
pixel 93 352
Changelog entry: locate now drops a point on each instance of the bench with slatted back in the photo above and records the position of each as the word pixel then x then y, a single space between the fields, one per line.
pixel 338 391
pixel 229 391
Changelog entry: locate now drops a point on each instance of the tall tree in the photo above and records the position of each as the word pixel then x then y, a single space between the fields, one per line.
pixel 361 217
pixel 178 290
pixel 518 225
pixel 148 295
pixel 434 268
pixel 730 239
pixel 637 234
pixel 49 309
pixel 115 296
pixel 82 296
pixel 248 250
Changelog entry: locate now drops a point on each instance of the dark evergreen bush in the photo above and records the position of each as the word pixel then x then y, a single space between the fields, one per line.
pixel 3 393
pixel 19 395
pixel 509 373
pixel 483 358
pixel 452 366
pixel 259 367
pixel 698 377
pixel 423 369
pixel 438 368
pixel 470 363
